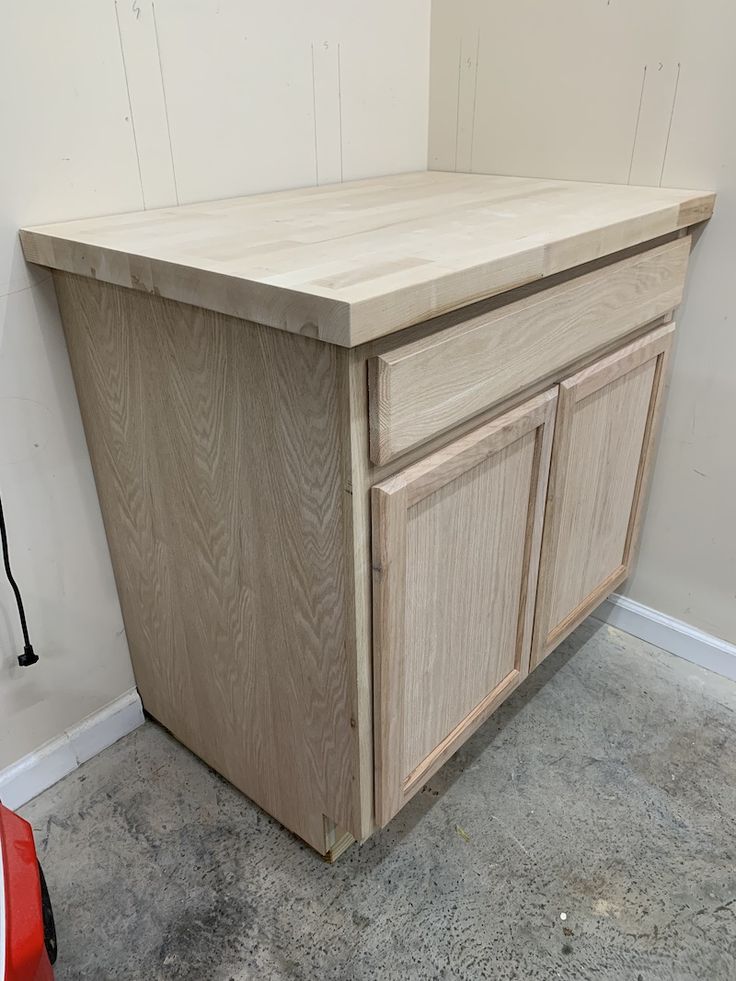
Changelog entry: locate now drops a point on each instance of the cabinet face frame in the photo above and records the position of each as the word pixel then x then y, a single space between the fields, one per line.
pixel 652 347
pixel 391 501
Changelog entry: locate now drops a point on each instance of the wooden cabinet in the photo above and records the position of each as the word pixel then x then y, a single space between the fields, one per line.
pixel 457 575
pixel 456 542
pixel 365 454
pixel 606 424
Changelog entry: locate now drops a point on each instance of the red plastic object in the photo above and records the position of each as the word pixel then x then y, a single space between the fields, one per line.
pixel 25 957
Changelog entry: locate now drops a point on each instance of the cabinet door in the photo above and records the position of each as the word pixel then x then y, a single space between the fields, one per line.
pixel 456 542
pixel 604 436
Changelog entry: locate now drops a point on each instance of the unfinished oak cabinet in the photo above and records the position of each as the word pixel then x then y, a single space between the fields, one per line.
pixel 365 454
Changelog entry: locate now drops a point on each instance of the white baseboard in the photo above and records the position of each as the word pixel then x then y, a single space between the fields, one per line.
pixel 41 769
pixel 671 635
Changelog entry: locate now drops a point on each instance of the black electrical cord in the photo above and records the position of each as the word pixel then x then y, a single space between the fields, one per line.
pixel 28 656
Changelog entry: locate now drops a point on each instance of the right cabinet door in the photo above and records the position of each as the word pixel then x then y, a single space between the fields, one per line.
pixel 607 419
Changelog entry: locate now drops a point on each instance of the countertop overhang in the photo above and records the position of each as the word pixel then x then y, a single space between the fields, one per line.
pixel 348 263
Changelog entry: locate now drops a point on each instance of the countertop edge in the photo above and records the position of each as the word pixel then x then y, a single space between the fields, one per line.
pixel 307 314
pixel 349 323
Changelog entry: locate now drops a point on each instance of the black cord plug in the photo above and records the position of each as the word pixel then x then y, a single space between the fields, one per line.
pixel 28 656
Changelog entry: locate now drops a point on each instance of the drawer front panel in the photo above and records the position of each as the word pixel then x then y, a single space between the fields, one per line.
pixel 425 387
pixel 456 541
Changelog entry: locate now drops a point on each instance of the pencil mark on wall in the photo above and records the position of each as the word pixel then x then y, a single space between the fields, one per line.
pixel 314 117
pixel 136 9
pixel 23 289
pixel 475 99
pixel 638 120
pixel 457 108
pixel 327 111
pixel 467 99
pixel 339 105
pixel 166 104
pixel 669 128
pixel 130 104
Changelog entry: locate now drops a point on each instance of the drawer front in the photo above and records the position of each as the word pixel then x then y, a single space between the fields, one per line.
pixel 423 388
pixel 456 543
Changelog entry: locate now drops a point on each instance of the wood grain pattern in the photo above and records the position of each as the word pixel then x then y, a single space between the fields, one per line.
pixel 351 262
pixel 604 436
pixel 456 541
pixel 460 639
pixel 426 386
pixel 217 453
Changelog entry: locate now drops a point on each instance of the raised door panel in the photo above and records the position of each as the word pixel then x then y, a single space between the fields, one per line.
pixel 604 437
pixel 456 542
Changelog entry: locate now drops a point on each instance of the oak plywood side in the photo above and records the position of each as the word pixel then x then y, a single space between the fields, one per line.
pixel 217 451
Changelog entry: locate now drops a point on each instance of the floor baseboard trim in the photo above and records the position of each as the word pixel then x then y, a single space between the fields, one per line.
pixel 671 635
pixel 24 780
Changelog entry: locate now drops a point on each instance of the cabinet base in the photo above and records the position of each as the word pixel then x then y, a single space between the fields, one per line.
pixel 337 840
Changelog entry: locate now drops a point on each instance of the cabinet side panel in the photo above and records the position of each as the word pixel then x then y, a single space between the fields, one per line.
pixel 217 455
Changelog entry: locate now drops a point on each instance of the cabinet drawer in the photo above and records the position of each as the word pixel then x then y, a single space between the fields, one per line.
pixel 456 544
pixel 422 388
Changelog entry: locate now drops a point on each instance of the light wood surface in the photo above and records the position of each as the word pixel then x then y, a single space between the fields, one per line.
pixel 604 436
pixel 456 543
pixel 217 452
pixel 351 262
pixel 324 657
pixel 430 384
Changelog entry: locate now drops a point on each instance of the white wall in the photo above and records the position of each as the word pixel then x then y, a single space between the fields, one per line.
pixel 629 92
pixel 102 110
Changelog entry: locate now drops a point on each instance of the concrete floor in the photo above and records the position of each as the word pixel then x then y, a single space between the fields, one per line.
pixel 604 790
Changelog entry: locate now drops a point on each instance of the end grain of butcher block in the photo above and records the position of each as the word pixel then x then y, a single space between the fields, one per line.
pixel 349 263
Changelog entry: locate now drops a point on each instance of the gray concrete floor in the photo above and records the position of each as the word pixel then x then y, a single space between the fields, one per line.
pixel 604 789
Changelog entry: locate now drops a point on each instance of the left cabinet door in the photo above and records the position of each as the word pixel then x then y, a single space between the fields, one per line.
pixel 456 541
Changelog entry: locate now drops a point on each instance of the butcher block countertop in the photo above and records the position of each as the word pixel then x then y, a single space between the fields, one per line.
pixel 348 263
